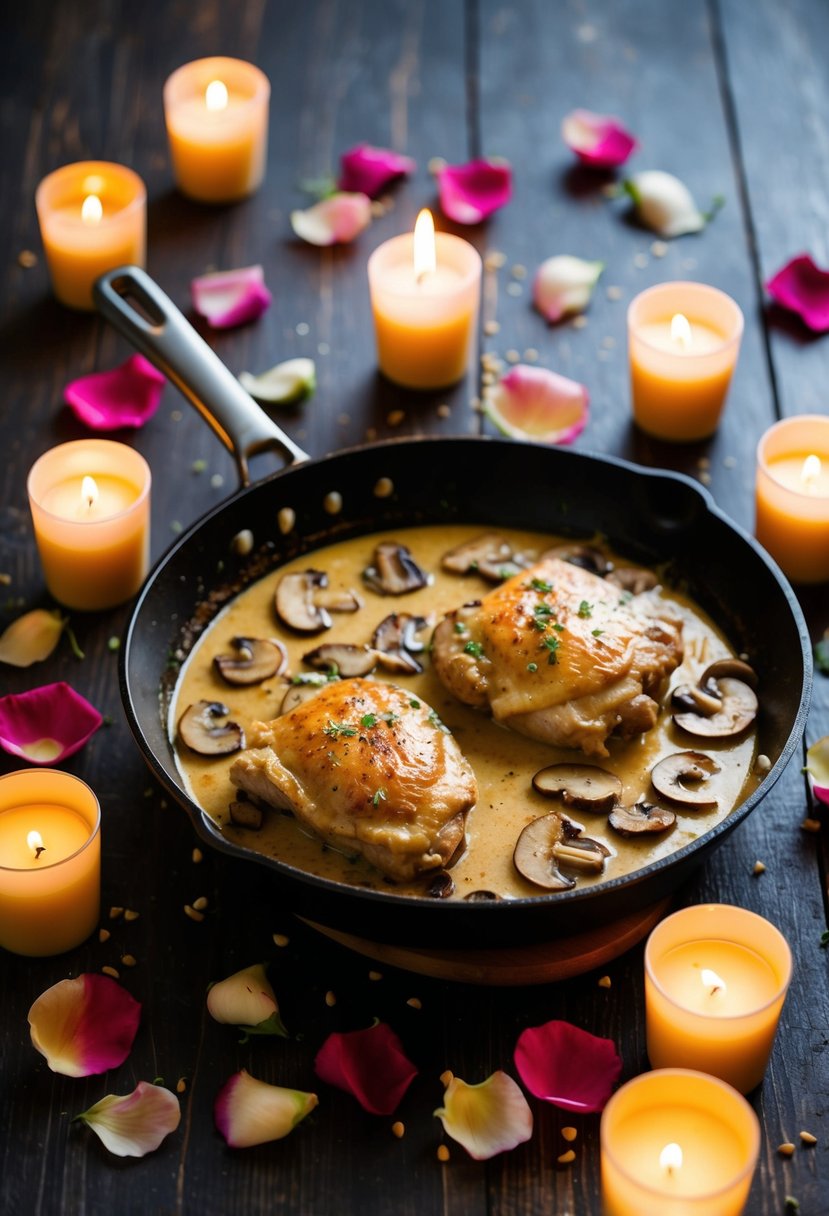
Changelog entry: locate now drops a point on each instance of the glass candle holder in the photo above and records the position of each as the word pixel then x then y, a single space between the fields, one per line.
pixel 792 496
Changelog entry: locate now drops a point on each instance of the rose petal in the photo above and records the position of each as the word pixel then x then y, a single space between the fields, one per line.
pixel 31 638
pixel 664 203
pixel 249 1112
pixel 471 192
pixel 246 999
pixel 135 1124
pixel 334 220
pixel 534 403
pixel 47 724
pixel 369 1064
pixel 817 767
pixel 282 385
pixel 84 1026
pixel 563 285
pixel 366 169
pixel 128 395
pixel 227 298
pixel 599 140
pixel 803 287
pixel 486 1119
pixel 567 1066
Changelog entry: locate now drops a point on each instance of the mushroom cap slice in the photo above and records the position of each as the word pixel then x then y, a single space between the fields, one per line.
pixel 670 775
pixel 643 818
pixel 588 557
pixel 735 668
pixel 256 659
pixel 489 555
pixel 482 897
pixel 585 786
pixel 204 728
pixel 395 571
pixel 343 658
pixel 635 579
pixel 295 601
pixel 735 712
pixel 552 841
pixel 395 638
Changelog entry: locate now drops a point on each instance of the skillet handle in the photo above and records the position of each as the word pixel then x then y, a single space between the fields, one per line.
pixel 138 308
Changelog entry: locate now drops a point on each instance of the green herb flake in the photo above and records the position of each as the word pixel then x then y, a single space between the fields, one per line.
pixel 335 729
pixel 460 627
pixel 538 584
pixel 379 797
pixel 625 597
pixel 543 610
pixel 390 718
pixel 558 628
pixel 474 648
pixel 505 572
pixel 532 667
pixel 597 633
pixel 368 720
pixel 552 645
pixel 585 609
pixel 414 704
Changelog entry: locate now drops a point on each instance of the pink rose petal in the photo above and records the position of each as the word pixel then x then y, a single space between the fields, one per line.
pixel 248 1112
pixel 84 1026
pixel 803 287
pixel 128 395
pixel 247 1000
pixel 135 1124
pixel 569 1067
pixel 486 1119
pixel 335 220
pixel 366 169
pixel 228 298
pixel 535 403
pixel 471 192
pixel 47 724
pixel 817 768
pixel 369 1064
pixel 599 140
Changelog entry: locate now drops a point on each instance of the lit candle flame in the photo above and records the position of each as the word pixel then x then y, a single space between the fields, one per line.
pixel 89 492
pixel 810 472
pixel 215 95
pixel 424 246
pixel 35 842
pixel 92 211
pixel 670 1158
pixel 680 331
pixel 712 981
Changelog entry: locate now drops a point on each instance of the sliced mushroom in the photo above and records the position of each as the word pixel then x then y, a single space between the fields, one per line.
pixel 721 705
pixel 256 659
pixel 342 659
pixel 584 786
pixel 395 571
pixel 395 638
pixel 481 897
pixel 441 886
pixel 553 841
pixel 641 819
pixel 671 775
pixel 296 604
pixel 634 579
pixel 336 600
pixel 588 557
pixel 205 728
pixel 245 814
pixel 490 556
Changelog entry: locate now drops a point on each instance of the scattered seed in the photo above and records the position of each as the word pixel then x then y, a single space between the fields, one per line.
pixel 330 999
pixel 371 434
pixel 640 261
pixel 808 1138
pixel 281 940
pixel 333 503
pixel 444 410
pixel 566 1158
pixel 176 526
pixel 398 1129
pixel 614 293
pixel 129 960
pixel 531 354
pixel 198 466
pixel 762 764
pixel 492 328
pixel 488 378
pixel 5 580
pixel 104 935
pixel 514 289
pixel 303 328
pixel 201 903
pixel 705 477
pixel 375 976
pixel 286 518
pixel 446 1078
pixel 659 249
pixel 193 913
pixel 518 271
pixel 197 856
pixel 217 481
pixel 383 487
pixel 704 462
pixel 112 972
pixel 115 912
pixel 27 258
pixel 730 462
pixel 786 1149
pixel 810 825
pixel 114 644
pixel 415 1002
pixel 443 1152
pixel 323 348
pixel 494 260
pixel 181 1085
pixel 759 868
pixel 569 1133
pixel 129 914
pixel 177 415
pixel 436 165
pixel 512 355
pixel 395 417
pixel 242 543
pixel 605 981
pixel 580 322
pixel 377 209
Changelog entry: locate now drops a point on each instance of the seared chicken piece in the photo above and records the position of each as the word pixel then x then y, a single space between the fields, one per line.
pixel 561 655
pixel 370 769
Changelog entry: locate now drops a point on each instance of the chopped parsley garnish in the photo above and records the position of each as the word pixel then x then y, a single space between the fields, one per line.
pixel 532 667
pixel 368 720
pixel 474 648
pixel 335 729
pixel 558 628
pixel 505 572
pixel 414 704
pixel 551 644
pixel 625 597
pixel 460 627
pixel 539 623
pixel 379 797
pixel 538 584
pixel 390 718
pixel 543 610
pixel 585 609
pixel 597 633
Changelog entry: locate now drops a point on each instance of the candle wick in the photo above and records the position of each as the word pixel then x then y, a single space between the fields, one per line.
pixel 40 848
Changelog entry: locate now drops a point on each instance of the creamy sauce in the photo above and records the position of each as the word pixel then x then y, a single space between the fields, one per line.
pixel 504 762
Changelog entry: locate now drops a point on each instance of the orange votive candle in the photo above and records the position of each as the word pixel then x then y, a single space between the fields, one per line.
pixel 792 496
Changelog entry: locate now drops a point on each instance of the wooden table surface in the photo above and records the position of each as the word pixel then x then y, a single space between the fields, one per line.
pixel 735 104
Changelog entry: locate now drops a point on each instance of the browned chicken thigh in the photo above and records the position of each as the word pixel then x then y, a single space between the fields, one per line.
pixel 561 655
pixel 370 769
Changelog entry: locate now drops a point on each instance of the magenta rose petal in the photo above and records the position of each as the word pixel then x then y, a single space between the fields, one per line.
pixel 803 288
pixel 562 1064
pixel 47 724
pixel 84 1026
pixel 369 1064
pixel 470 193
pixel 817 769
pixel 126 396
pixel 227 298
pixel 598 140
pixel 366 169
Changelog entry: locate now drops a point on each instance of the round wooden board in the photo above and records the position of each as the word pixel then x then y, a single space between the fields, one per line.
pixel 543 963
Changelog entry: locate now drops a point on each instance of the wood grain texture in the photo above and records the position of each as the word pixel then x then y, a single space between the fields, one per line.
pixel 730 105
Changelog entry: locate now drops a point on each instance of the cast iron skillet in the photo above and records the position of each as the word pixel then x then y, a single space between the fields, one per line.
pixel 650 516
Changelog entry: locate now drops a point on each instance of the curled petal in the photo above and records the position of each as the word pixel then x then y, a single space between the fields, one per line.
pixel 817 766
pixel 664 204
pixel 534 403
pixel 334 220
pixel 249 1112
pixel 128 395
pixel 282 385
pixel 135 1124
pixel 563 285
pixel 803 287
pixel 369 1064
pixel 47 724
pixel 31 638
pixel 567 1066
pixel 84 1026
pixel 599 140
pixel 486 1119
pixel 471 192
pixel 367 170
pixel 227 298
pixel 246 999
